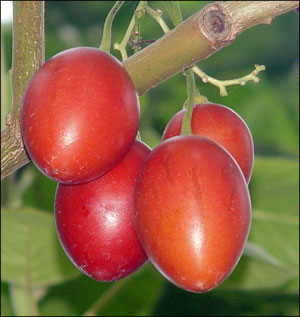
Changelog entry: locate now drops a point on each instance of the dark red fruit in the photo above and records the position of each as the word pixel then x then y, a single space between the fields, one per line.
pixel 80 115
pixel 222 125
pixel 193 211
pixel 95 220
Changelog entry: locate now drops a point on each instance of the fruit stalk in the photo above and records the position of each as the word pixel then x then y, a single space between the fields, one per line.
pixel 186 123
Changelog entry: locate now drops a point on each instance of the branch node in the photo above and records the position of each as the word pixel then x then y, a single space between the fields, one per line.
pixel 215 25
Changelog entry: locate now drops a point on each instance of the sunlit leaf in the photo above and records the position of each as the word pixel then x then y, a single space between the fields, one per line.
pixel 271 258
pixel 31 252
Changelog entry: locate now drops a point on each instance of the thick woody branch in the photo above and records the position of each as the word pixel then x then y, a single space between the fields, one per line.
pixel 28 56
pixel 201 35
pixel 246 14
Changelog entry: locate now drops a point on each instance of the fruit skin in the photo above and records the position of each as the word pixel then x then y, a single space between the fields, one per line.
pixel 193 211
pixel 222 125
pixel 80 115
pixel 95 220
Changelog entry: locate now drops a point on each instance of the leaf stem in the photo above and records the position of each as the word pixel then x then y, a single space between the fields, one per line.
pixel 106 37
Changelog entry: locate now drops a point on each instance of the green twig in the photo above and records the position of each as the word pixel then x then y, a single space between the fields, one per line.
pixel 174 11
pixel 156 15
pixel 106 37
pixel 122 46
pixel 139 16
pixel 222 84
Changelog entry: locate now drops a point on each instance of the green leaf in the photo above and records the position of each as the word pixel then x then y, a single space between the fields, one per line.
pixel 275 225
pixel 273 121
pixel 138 296
pixel 31 252
pixel 40 194
pixel 221 302
pixel 6 309
pixel 271 257
pixel 254 274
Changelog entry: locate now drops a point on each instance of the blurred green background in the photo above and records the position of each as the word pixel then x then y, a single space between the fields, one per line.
pixel 266 280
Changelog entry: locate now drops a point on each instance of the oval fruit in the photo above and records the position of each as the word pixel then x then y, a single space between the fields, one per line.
pixel 95 220
pixel 193 211
pixel 79 116
pixel 222 125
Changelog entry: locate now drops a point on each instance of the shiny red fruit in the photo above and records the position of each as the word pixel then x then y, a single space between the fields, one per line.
pixel 80 115
pixel 95 220
pixel 222 125
pixel 193 211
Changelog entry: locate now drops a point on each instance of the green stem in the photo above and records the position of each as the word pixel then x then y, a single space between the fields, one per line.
pixel 106 37
pixel 139 16
pixel 186 123
pixel 174 11
pixel 122 46
pixel 157 16
pixel 222 84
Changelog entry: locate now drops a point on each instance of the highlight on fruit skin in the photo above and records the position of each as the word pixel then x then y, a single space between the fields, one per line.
pixel 94 221
pixel 192 211
pixel 79 115
pixel 222 125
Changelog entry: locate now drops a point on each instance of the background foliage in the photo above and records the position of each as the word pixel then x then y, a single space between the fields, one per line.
pixel 266 281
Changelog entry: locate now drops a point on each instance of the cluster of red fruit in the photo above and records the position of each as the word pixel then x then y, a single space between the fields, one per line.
pixel 185 205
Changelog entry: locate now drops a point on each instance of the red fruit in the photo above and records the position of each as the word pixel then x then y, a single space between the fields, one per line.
pixel 95 220
pixel 193 211
pixel 222 125
pixel 80 115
